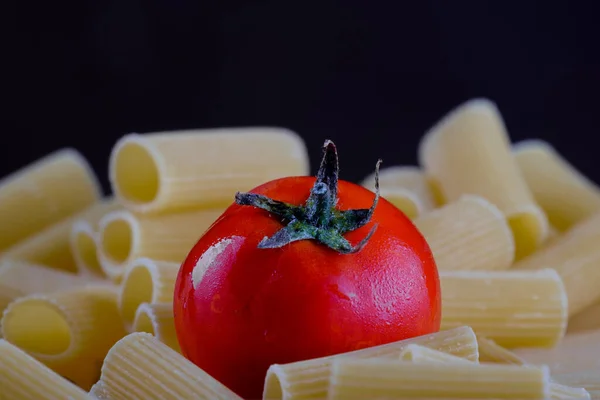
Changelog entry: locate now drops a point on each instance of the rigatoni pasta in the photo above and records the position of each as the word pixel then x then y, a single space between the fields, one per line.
pixel 138 356
pixel 467 234
pixel 490 351
pixel 468 152
pixel 514 308
pixel 19 278
pixel 391 379
pixel 50 246
pixel 310 378
pixel 566 196
pixel 22 377
pixel 146 281
pixel 406 187
pixel 161 172
pixel 125 236
pixel 575 255
pixel 70 331
pixel 419 353
pixel 43 193
pixel 83 236
pixel 157 319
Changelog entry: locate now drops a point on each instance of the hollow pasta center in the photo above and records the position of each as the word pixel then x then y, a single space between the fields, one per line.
pixel 117 240
pixel 137 289
pixel 87 251
pixel 143 323
pixel 136 174
pixel 37 327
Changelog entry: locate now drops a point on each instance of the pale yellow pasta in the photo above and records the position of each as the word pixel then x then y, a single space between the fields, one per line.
pixel 44 193
pixel 585 320
pixel 391 379
pixel 125 236
pixel 51 245
pixel 83 237
pixel 514 308
pixel 469 233
pixel 19 278
pixel 309 379
pixel 468 152
pixel 406 187
pixel 566 195
pixel 576 352
pixel 590 380
pixel 157 319
pixel 492 352
pixel 575 255
pixel 423 354
pixel 22 377
pixel 169 171
pixel 70 331
pixel 140 367
pixel 146 281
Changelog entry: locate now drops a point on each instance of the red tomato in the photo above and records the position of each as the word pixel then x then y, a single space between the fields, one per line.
pixel 263 287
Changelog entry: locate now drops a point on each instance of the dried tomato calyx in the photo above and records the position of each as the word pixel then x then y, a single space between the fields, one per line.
pixel 318 219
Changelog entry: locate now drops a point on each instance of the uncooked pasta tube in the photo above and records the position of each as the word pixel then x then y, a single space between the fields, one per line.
pixel 170 171
pixel 83 236
pixel 146 281
pixel 125 236
pixel 63 328
pixel 44 193
pixel 566 195
pixel 157 319
pixel 418 353
pixel 468 152
pixel 50 246
pixel 491 352
pixel 22 377
pixel 18 278
pixel 309 379
pixel 575 255
pixel 514 308
pixel 469 233
pixel 391 379
pixel 139 366
pixel 406 187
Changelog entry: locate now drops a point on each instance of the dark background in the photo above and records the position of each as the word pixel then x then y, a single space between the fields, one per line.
pixel 372 76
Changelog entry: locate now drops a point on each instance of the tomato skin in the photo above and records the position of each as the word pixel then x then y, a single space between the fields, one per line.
pixel 256 307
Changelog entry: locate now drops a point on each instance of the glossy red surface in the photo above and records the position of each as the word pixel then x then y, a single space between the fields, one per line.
pixel 255 307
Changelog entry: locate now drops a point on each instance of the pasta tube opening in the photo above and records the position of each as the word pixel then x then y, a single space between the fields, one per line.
pixel 169 171
pixel 137 289
pixel 136 175
pixel 118 237
pixel 83 247
pixel 38 327
pixel 146 281
pixel 157 319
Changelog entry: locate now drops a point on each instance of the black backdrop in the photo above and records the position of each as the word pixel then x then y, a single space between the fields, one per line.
pixel 373 76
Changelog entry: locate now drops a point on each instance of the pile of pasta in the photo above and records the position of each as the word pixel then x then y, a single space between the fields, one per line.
pixel 86 281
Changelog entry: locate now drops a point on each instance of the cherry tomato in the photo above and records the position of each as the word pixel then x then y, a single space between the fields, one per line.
pixel 299 268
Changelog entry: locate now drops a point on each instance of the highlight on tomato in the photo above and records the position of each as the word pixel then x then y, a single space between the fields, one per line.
pixel 299 268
